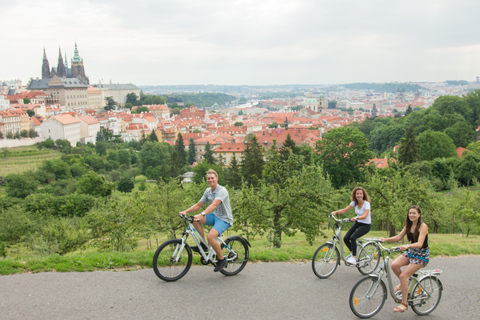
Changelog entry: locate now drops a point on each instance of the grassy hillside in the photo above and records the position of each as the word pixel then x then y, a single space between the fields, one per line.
pixel 21 159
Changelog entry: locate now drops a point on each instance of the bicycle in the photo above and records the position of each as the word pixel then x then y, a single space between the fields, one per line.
pixel 369 294
pixel 327 256
pixel 173 258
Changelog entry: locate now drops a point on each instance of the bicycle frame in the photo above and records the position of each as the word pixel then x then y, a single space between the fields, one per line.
pixel 337 238
pixel 385 270
pixel 207 256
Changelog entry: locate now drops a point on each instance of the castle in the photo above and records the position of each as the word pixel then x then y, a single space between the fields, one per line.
pixel 62 70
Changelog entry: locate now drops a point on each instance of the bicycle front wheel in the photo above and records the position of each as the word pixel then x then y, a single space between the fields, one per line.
pixel 236 252
pixel 426 295
pixel 367 297
pixel 368 258
pixel 170 261
pixel 325 260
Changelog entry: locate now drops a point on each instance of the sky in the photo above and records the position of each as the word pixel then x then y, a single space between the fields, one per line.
pixel 245 42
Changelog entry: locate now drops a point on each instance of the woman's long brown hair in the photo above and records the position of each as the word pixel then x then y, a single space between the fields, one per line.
pixel 408 225
pixel 365 195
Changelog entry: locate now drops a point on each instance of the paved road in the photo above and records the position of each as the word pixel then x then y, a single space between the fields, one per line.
pixel 260 291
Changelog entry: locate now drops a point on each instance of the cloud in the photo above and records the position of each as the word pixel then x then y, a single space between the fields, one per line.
pixel 245 41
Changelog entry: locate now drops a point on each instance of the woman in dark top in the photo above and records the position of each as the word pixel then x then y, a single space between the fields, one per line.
pixel 417 253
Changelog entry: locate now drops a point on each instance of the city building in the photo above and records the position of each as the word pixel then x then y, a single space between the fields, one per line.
pixel 70 93
pixel 76 70
pixel 63 126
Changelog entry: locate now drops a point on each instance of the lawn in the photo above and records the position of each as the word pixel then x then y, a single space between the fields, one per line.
pixel 294 249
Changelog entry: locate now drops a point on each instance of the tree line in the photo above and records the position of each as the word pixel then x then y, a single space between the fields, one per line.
pixel 70 203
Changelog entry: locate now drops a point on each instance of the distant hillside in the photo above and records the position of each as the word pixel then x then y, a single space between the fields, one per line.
pixel 384 87
pixel 200 100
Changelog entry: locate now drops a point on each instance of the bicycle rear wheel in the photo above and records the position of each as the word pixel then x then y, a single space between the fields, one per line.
pixel 426 295
pixel 367 297
pixel 368 258
pixel 237 256
pixel 169 263
pixel 325 260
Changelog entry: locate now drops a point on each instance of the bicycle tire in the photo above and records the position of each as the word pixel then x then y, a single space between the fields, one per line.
pixel 429 291
pixel 325 260
pixel 368 258
pixel 237 256
pixel 164 266
pixel 367 298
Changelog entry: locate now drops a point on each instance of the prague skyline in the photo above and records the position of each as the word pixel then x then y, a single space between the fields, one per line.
pixel 245 42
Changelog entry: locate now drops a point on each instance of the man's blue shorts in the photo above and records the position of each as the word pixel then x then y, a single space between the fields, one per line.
pixel 218 224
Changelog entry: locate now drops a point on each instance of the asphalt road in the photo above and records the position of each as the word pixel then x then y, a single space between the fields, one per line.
pixel 260 291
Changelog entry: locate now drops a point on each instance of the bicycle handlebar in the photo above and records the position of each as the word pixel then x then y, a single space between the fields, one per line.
pixel 339 220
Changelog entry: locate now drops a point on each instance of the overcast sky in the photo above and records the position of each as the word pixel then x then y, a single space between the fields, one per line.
pixel 250 42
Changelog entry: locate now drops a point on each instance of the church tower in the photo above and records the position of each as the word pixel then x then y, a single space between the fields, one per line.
pixel 45 66
pixel 61 71
pixel 78 70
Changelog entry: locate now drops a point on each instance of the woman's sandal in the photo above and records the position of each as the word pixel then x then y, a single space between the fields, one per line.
pixel 397 288
pixel 401 307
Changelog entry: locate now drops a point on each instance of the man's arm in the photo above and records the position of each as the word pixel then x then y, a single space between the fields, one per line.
pixel 193 208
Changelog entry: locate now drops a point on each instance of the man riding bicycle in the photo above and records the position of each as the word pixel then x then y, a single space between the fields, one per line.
pixel 218 214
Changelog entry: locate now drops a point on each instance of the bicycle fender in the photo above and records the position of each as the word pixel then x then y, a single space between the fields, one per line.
pixel 239 238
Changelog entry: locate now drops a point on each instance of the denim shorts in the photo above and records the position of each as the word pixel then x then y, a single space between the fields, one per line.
pixel 218 224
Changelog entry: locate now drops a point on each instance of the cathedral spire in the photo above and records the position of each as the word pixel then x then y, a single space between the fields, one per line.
pixel 61 71
pixel 45 66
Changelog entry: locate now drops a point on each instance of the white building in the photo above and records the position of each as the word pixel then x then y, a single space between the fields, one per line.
pixel 118 91
pixel 63 126
pixel 4 102
pixel 89 127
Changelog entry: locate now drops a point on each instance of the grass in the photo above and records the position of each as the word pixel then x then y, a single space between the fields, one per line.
pixel 294 249
pixel 20 160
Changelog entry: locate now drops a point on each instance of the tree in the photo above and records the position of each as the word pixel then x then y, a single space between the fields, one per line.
pixel 94 184
pixel 285 201
pixel 434 144
pixel 461 133
pixel 274 125
pixel 154 154
pixel 101 148
pixel 289 146
pixel 30 113
pixel 26 100
pixel 63 145
pixel 32 133
pixel 233 174
pixel 238 124
pixel 128 105
pixel 469 168
pixel 208 155
pixel 191 151
pixel 180 147
pixel 408 149
pixel 392 192
pixel 20 185
pixel 125 185
pixel 152 136
pixel 24 133
pixel 252 162
pixel 124 157
pixel 109 103
pixel 344 153
pixel 131 98
pixel 100 137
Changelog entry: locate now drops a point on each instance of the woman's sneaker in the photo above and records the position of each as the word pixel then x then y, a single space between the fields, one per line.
pixel 351 260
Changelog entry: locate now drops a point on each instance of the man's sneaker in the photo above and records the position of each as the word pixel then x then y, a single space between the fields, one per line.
pixel 220 265
pixel 195 248
pixel 351 260
pixel 348 257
